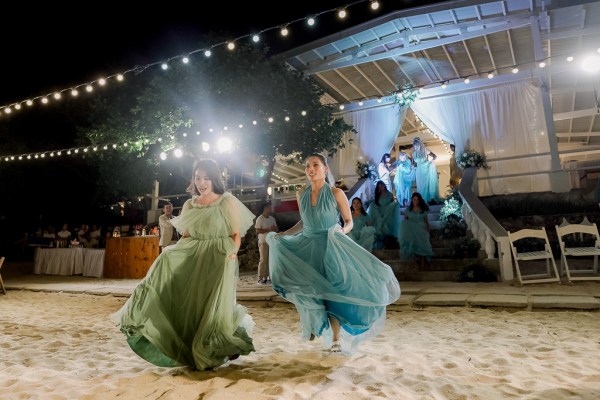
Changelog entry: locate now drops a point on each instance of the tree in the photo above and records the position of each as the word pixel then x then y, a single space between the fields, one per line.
pixel 233 94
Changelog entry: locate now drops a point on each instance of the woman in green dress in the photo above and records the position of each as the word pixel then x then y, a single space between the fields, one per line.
pixel 413 235
pixel 184 312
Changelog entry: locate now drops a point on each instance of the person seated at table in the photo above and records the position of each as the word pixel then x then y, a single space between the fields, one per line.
pixel 83 235
pixel 94 236
pixel 63 236
pixel 50 235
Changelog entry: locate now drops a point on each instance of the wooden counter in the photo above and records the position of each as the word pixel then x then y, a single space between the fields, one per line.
pixel 129 257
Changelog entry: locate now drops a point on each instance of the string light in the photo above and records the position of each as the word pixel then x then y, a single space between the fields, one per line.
pixel 465 79
pixel 89 86
pixel 116 146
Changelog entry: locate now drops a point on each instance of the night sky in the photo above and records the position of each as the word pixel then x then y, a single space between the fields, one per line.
pixel 55 47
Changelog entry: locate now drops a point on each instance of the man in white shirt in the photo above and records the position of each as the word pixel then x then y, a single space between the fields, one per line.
pixel 168 234
pixel 265 223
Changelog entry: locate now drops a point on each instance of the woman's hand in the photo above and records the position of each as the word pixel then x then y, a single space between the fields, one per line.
pixel 233 256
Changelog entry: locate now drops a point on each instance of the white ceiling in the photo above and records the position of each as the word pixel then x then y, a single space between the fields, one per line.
pixel 447 42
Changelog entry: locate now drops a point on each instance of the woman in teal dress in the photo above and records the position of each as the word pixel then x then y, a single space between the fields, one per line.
pixel 384 214
pixel 339 289
pixel 362 232
pixel 405 175
pixel 184 312
pixel 433 181
pixel 413 236
pixel 422 175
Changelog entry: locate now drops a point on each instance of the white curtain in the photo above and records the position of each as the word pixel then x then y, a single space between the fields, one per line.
pixel 377 130
pixel 501 121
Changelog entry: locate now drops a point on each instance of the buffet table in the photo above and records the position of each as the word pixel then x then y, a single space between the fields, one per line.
pixel 69 261
pixel 130 257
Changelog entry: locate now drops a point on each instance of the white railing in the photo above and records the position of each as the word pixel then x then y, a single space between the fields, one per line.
pixel 484 227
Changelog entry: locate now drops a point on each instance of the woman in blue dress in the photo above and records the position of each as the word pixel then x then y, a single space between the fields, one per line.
pixel 184 312
pixel 384 214
pixel 420 157
pixel 339 289
pixel 405 175
pixel 413 236
pixel 362 232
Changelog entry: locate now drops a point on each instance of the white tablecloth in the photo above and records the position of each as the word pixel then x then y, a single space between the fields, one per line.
pixel 70 261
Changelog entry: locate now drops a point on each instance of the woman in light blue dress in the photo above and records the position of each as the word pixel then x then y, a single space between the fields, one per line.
pixel 413 236
pixel 405 175
pixel 433 181
pixel 384 214
pixel 339 289
pixel 362 232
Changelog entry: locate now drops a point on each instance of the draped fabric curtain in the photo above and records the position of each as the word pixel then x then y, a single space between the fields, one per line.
pixel 377 130
pixel 501 122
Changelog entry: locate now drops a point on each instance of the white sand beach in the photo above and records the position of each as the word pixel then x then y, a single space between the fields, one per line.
pixel 64 346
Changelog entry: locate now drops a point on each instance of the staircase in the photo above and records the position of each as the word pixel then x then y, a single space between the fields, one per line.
pixel 442 267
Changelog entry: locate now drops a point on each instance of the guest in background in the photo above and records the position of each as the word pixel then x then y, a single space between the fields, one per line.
pixel 405 175
pixel 83 236
pixel 384 215
pixel 63 236
pixel 413 235
pixel 384 170
pixel 168 234
pixel 362 232
pixel 265 223
pixel 95 236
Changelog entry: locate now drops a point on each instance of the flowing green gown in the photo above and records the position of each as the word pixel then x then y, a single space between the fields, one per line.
pixel 385 218
pixel 324 272
pixel 184 312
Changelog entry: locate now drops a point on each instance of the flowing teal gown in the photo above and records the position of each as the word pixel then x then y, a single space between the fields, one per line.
pixel 385 218
pixel 413 236
pixel 362 233
pixel 422 176
pixel 324 272
pixel 184 312
pixel 405 175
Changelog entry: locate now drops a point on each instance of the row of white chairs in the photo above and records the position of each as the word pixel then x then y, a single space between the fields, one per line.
pixel 551 273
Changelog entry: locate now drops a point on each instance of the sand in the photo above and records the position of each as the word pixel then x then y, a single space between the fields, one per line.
pixel 64 346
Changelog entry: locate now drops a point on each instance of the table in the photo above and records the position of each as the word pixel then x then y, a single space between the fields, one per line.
pixel 70 261
pixel 130 257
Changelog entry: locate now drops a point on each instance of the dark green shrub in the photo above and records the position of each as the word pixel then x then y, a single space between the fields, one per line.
pixel 465 248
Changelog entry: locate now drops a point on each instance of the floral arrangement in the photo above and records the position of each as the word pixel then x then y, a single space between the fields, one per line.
pixel 405 96
pixel 472 158
pixel 366 170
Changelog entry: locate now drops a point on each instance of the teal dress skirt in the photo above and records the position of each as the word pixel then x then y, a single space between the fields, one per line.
pixel 324 272
pixel 184 312
pixel 362 233
pixel 385 218
pixel 413 236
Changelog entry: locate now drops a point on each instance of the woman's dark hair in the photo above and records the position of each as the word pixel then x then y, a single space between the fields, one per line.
pixel 422 205
pixel 263 206
pixel 362 209
pixel 212 170
pixel 377 194
pixel 383 160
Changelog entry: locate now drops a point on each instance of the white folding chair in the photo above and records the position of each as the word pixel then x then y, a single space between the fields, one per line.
pixel 550 274
pixel 1 282
pixel 567 250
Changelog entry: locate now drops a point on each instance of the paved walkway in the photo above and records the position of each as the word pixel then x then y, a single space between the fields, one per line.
pixel 578 296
